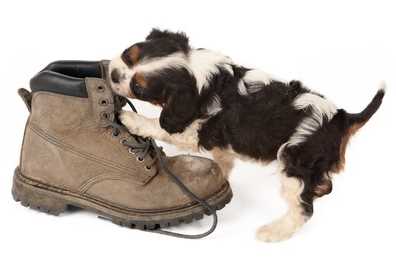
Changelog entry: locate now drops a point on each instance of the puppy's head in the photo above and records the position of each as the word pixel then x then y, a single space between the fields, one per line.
pixel 156 70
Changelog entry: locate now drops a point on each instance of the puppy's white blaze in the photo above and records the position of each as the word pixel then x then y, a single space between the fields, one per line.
pixel 204 64
pixel 152 65
pixel 321 108
pixel 215 106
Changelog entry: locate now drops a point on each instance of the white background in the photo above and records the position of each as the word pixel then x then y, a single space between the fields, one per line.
pixel 343 49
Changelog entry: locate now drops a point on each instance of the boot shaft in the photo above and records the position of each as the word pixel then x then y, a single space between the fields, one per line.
pixel 68 138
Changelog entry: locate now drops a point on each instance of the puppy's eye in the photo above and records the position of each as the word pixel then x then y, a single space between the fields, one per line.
pixel 137 89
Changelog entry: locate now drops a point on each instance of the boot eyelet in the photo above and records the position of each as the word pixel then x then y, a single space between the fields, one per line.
pixel 131 151
pixel 122 141
pixel 115 134
pixel 103 102
pixel 140 159
pixel 100 88
pixel 148 167
pixel 105 115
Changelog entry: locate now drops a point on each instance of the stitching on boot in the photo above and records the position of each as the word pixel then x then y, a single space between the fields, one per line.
pixel 88 184
pixel 84 155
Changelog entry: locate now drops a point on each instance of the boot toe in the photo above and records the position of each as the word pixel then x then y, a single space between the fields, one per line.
pixel 201 175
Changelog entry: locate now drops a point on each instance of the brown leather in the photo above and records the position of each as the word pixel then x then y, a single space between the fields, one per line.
pixel 69 144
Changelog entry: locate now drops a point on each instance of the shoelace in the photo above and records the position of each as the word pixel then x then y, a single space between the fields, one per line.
pixel 139 146
pixel 142 147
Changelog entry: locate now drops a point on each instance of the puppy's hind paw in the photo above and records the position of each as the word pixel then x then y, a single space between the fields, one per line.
pixel 278 230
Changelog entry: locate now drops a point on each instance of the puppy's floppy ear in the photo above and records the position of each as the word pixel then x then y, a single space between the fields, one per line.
pixel 180 109
pixel 179 37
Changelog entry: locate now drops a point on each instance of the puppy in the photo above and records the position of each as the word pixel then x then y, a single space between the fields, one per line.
pixel 213 104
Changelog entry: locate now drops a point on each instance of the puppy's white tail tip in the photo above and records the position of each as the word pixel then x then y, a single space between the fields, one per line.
pixel 382 86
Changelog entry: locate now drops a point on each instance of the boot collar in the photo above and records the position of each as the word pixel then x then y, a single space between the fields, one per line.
pixel 51 81
pixel 68 77
pixel 82 79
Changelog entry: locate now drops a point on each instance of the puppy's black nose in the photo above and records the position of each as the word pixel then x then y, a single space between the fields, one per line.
pixel 115 76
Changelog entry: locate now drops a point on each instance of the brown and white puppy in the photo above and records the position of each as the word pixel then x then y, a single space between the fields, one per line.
pixel 210 103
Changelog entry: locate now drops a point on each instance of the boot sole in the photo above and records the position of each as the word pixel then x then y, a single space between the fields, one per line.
pixel 53 200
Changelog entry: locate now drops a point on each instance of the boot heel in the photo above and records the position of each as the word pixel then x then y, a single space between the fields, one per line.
pixel 36 198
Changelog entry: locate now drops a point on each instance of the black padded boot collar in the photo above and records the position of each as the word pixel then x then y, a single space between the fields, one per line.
pixel 67 77
pixel 78 69
pixel 50 81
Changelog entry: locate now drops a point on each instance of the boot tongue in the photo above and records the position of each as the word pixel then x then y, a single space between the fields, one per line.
pixel 104 69
pixel 119 103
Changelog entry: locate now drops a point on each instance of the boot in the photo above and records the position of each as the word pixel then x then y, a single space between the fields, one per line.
pixel 75 152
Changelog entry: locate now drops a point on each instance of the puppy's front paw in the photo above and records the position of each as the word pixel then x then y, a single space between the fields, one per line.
pixel 129 120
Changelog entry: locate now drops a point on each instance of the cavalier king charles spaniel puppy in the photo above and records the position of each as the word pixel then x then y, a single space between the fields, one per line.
pixel 210 103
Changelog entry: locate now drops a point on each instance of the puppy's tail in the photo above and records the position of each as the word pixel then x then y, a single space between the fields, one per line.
pixel 355 121
pixel 359 119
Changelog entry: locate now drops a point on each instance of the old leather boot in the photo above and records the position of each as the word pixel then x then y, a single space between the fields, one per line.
pixel 75 152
